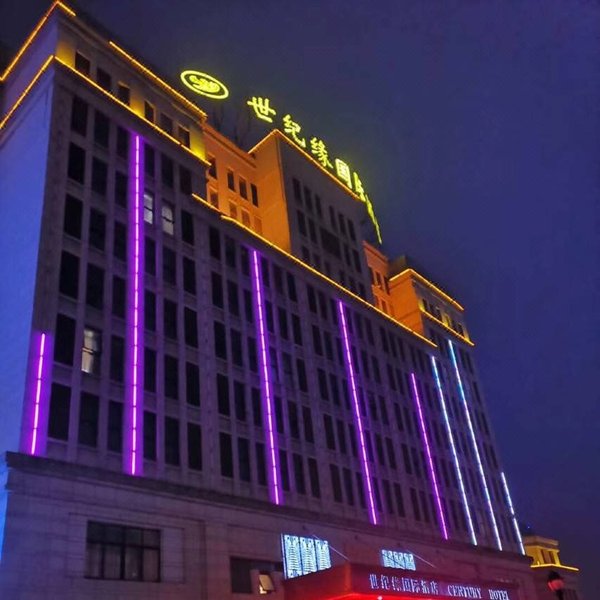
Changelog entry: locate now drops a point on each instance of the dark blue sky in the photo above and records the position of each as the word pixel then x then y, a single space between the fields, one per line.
pixel 476 127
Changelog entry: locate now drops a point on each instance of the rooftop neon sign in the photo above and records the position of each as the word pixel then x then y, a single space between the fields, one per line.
pixel 263 110
pixel 204 84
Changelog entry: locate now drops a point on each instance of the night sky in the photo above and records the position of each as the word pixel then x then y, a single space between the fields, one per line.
pixel 475 127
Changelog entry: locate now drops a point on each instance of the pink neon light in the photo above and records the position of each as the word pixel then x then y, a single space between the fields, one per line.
pixel 38 394
pixel 434 482
pixel 274 484
pixel 357 415
pixel 135 459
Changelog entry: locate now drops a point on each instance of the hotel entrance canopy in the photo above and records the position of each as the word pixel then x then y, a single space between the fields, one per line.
pixel 364 582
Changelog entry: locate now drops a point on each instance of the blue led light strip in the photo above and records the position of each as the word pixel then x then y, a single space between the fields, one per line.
pixel 513 516
pixel 465 404
pixel 461 483
pixel 357 415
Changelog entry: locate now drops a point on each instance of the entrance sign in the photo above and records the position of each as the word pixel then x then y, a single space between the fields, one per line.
pixel 204 84
pixel 370 582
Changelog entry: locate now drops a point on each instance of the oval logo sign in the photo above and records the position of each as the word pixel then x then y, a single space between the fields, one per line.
pixel 204 84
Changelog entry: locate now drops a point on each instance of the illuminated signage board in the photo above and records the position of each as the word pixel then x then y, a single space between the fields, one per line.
pixel 207 85
pixel 304 555
pixel 204 84
pixel 316 147
pixel 398 560
pixel 427 586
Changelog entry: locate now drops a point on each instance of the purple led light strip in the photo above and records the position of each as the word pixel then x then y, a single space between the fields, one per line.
pixel 357 415
pixel 275 493
pixel 38 393
pixel 461 483
pixel 134 462
pixel 434 482
pixel 474 445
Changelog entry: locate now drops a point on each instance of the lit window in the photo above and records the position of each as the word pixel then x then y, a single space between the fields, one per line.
pixel 168 218
pixel 265 584
pixel 303 555
pixel 148 207
pixel 398 560
pixel 90 353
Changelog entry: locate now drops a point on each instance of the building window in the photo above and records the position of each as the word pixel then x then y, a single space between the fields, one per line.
pixel 64 339
pixel 68 281
pixel 73 217
pixel 243 188
pixel 194 439
pixel 212 169
pixel 148 207
pixel 82 64
pixel 304 555
pixel 123 93
pixel 168 217
pixel 122 142
pixel 91 351
pixel 79 116
pixel 103 79
pixel 167 171
pixel 94 294
pixel 99 176
pixel 183 135
pixel 230 180
pixel 166 123
pixel 149 111
pixel 88 419
pixel 76 163
pixel 118 552
pixel 101 129
pixel 149 435
pixel 58 418
pixel 115 426
pixel 254 194
pixel 171 441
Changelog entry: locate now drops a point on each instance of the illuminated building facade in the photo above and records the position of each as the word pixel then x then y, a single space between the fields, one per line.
pixel 210 378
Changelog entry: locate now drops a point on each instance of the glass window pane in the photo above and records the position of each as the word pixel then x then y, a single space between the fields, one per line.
pixel 93 560
pixel 112 562
pixel 133 563
pixel 151 565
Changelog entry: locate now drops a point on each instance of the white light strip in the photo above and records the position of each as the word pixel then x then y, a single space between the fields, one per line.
pixel 513 516
pixel 465 404
pixel 461 483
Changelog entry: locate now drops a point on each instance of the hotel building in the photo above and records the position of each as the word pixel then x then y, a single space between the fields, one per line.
pixel 214 384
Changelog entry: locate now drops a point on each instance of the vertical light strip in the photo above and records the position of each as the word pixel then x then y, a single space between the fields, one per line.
pixel 268 413
pixel 134 461
pixel 513 516
pixel 465 404
pixel 357 415
pixel 461 483
pixel 432 474
pixel 39 372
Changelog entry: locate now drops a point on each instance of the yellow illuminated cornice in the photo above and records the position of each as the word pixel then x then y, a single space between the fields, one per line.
pixel 323 277
pixel 430 285
pixel 129 109
pixel 108 95
pixel 163 84
pixel 32 36
pixel 554 566
pixel 462 338
pixel 26 91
